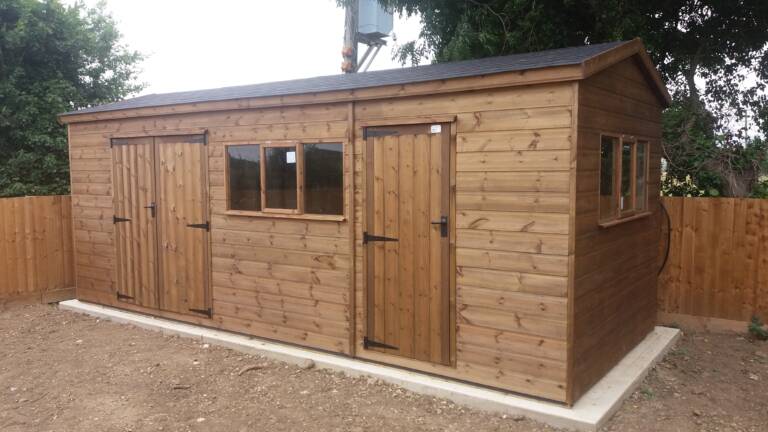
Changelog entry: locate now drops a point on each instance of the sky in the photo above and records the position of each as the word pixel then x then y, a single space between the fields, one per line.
pixel 198 44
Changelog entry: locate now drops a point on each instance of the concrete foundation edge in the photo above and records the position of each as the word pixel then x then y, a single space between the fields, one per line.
pixel 588 414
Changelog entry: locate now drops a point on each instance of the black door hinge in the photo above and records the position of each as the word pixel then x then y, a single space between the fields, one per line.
pixel 374 238
pixel 206 226
pixel 207 312
pixel 378 133
pixel 116 219
pixel 370 343
pixel 124 297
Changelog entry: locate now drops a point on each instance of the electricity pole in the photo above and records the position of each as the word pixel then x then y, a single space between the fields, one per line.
pixel 349 52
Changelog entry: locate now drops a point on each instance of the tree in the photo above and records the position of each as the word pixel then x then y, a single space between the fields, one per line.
pixel 53 59
pixel 705 50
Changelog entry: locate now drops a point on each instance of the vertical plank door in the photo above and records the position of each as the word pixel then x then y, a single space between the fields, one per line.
pixel 183 224
pixel 407 242
pixel 134 220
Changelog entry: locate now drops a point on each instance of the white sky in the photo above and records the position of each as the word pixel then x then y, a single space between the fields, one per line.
pixel 197 44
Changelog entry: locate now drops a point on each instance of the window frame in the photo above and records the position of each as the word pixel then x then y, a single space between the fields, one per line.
pixel 298 212
pixel 634 211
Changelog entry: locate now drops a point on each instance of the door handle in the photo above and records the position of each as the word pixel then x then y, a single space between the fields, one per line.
pixel 443 222
pixel 151 208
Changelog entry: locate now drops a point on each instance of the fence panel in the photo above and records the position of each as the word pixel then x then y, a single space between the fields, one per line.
pixel 718 258
pixel 36 251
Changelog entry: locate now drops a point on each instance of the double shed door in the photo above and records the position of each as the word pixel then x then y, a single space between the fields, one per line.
pixel 161 222
pixel 407 243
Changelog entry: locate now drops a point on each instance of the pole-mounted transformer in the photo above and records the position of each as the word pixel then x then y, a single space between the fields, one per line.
pixel 366 22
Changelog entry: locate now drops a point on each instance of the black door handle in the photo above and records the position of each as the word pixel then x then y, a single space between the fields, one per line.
pixel 443 222
pixel 152 208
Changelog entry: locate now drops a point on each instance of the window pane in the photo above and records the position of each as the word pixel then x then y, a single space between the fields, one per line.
pixel 608 204
pixel 642 148
pixel 324 179
pixel 244 177
pixel 626 175
pixel 280 177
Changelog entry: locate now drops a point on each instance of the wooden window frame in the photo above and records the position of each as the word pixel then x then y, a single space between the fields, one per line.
pixel 298 212
pixel 299 148
pixel 634 211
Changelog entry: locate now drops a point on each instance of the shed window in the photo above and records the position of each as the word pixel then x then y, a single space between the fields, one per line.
pixel 244 177
pixel 623 177
pixel 323 179
pixel 280 168
pixel 289 177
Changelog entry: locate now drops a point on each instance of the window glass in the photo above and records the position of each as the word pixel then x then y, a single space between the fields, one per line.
pixel 280 177
pixel 244 177
pixel 323 178
pixel 642 148
pixel 626 175
pixel 607 177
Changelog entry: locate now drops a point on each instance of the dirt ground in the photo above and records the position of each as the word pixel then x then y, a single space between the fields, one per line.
pixel 61 371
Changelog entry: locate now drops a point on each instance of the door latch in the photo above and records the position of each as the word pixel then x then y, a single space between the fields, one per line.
pixel 443 222
pixel 152 207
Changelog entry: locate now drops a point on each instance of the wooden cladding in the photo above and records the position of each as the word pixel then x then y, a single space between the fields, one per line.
pixel 718 258
pixel 161 222
pixel 36 256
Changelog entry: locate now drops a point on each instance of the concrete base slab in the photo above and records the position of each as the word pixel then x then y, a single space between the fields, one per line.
pixel 588 414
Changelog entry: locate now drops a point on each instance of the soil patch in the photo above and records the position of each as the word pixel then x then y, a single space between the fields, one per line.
pixel 61 371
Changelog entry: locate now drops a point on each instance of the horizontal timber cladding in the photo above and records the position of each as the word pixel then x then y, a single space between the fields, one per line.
pixel 614 277
pixel 289 279
pixel 511 167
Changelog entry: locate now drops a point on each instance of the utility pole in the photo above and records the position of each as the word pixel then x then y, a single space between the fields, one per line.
pixel 349 52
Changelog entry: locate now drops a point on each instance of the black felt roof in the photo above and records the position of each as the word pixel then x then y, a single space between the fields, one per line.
pixel 485 66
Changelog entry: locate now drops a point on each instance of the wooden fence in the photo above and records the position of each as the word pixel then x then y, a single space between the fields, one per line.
pixel 717 266
pixel 718 259
pixel 36 254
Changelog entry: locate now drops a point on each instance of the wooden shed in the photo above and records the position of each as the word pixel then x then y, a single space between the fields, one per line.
pixel 493 221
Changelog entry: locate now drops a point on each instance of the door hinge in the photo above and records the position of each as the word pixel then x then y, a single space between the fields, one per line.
pixel 370 343
pixel 378 133
pixel 207 312
pixel 374 238
pixel 124 297
pixel 206 226
pixel 116 219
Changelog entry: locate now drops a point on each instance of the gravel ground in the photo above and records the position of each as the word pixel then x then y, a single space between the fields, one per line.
pixel 61 371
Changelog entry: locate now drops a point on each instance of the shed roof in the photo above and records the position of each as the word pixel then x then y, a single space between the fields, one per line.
pixel 433 72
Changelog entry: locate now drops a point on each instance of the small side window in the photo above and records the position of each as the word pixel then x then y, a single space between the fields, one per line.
pixel 623 177
pixel 627 193
pixel 641 174
pixel 608 204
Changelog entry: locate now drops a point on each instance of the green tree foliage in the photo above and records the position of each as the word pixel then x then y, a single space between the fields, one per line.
pixel 53 59
pixel 705 50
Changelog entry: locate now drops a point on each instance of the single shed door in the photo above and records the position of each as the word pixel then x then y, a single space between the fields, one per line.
pixel 135 230
pixel 407 244
pixel 182 223
pixel 161 222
